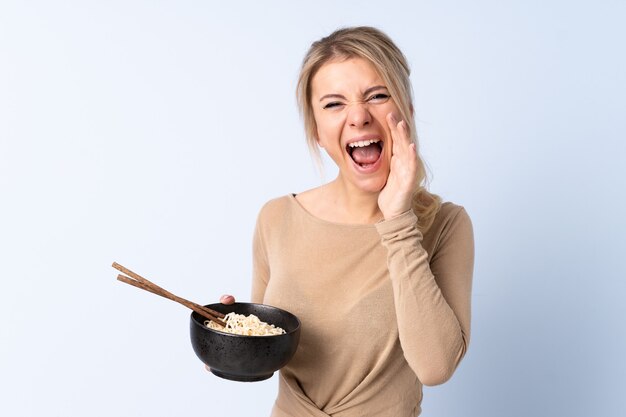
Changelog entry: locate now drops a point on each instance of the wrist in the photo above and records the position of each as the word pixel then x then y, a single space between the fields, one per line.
pixel 394 214
pixel 397 211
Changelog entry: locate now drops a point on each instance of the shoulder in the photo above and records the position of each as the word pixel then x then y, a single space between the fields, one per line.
pixel 452 222
pixel 290 205
pixel 450 212
pixel 276 204
pixel 276 209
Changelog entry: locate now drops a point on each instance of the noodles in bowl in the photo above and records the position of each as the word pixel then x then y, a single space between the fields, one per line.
pixel 240 356
pixel 249 325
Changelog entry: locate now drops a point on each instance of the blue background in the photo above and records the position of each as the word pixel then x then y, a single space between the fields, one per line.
pixel 151 132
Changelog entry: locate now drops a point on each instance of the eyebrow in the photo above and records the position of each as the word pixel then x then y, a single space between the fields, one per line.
pixel 366 92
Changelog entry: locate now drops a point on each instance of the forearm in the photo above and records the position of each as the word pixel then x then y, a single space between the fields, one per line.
pixel 433 338
pixel 430 334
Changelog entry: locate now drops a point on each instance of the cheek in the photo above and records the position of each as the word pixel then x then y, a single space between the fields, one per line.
pixel 329 130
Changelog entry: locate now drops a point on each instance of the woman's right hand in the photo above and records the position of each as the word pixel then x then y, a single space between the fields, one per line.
pixel 227 299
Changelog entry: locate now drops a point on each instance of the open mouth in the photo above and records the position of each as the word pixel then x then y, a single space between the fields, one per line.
pixel 365 153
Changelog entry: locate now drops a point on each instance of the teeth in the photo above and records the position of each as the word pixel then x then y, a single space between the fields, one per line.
pixel 363 143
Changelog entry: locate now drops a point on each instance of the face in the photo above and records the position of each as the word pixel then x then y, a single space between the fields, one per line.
pixel 350 103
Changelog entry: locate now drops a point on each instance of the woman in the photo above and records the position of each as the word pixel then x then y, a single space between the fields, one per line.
pixel 377 269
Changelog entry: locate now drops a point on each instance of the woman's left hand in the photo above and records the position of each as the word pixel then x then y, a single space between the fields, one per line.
pixel 397 195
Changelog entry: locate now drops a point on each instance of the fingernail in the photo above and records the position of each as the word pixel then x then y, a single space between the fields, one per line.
pixel 393 118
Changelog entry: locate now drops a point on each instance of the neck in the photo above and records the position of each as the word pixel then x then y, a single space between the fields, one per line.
pixel 353 205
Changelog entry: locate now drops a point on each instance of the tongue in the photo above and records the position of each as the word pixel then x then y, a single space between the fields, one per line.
pixel 367 154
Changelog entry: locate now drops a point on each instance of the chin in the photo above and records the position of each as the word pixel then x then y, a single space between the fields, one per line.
pixel 374 185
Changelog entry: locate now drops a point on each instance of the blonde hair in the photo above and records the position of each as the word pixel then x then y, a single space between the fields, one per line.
pixel 374 46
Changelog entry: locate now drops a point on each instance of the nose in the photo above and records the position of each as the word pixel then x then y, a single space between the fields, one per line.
pixel 359 115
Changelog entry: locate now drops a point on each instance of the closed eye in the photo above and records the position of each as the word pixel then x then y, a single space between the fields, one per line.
pixel 332 104
pixel 379 98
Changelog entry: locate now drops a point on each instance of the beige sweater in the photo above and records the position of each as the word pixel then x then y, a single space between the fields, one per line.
pixel 383 309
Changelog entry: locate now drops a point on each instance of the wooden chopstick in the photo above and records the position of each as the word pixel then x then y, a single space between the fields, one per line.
pixel 138 281
pixel 193 306
pixel 163 292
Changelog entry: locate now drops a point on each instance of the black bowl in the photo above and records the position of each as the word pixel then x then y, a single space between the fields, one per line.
pixel 245 358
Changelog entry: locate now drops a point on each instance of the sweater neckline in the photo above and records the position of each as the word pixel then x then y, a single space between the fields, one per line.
pixel 307 214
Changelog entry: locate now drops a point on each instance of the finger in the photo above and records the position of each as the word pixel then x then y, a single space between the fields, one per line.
pixel 392 121
pixel 399 133
pixel 403 138
pixel 227 299
pixel 392 124
pixel 413 156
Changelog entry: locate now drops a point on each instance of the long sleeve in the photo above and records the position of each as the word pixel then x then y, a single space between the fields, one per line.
pixel 260 265
pixel 432 299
